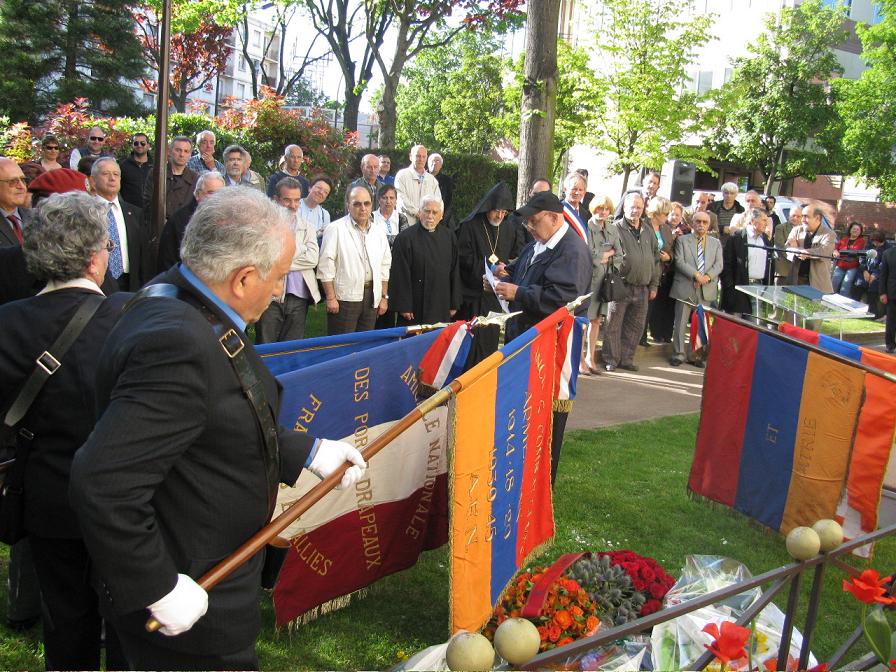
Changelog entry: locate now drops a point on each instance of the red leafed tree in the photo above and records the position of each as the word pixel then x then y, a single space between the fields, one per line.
pixel 197 58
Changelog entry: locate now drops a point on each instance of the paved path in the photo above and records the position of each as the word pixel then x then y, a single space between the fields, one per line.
pixel 656 390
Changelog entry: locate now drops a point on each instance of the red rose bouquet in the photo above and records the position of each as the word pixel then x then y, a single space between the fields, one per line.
pixel 647 577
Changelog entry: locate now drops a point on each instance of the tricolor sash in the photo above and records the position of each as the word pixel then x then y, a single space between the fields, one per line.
pixel 571 215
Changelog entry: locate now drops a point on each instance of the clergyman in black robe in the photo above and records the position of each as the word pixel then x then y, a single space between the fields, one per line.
pixel 486 236
pixel 424 283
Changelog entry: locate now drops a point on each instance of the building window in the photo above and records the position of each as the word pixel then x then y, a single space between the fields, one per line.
pixel 728 73
pixel 878 14
pixel 832 4
pixel 256 38
pixel 241 91
pixel 243 66
pixel 704 82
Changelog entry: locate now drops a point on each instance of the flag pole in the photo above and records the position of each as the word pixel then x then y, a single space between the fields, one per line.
pixel 272 530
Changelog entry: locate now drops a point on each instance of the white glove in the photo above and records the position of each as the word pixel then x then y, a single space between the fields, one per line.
pixel 181 608
pixel 330 456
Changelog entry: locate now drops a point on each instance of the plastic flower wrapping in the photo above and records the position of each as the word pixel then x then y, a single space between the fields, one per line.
pixel 677 644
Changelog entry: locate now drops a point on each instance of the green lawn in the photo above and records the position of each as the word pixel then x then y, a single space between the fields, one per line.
pixel 619 487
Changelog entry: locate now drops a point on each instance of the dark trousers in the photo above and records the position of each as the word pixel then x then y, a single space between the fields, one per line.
pixel 282 321
pixel 22 591
pixel 625 324
pixel 144 654
pixel 71 617
pixel 661 311
pixel 890 329
pixel 353 315
pixel 557 430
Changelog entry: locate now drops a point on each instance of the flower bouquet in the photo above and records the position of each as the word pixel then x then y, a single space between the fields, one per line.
pixel 568 613
pixel 648 578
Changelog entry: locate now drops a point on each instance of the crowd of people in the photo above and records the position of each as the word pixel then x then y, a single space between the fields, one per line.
pixel 161 416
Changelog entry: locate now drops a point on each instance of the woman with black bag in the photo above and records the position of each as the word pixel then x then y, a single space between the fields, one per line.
pixel 49 348
pixel 606 257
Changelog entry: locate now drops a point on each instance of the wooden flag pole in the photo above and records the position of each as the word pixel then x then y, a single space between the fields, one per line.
pixel 273 529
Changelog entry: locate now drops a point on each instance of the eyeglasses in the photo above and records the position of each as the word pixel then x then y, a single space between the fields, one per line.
pixel 110 245
pixel 52 148
pixel 13 181
pixel 97 138
pixel 139 143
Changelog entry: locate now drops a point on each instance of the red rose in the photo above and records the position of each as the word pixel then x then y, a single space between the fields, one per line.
pixel 650 606
pixel 658 591
pixel 647 574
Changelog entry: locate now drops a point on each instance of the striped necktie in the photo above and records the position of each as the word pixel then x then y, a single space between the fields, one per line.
pixel 701 260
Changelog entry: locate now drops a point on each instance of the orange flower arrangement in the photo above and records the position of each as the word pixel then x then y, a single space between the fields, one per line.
pixel 568 613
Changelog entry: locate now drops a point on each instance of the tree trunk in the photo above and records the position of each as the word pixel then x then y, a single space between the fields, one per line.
pixel 178 100
pixel 386 112
pixel 350 112
pixel 626 173
pixel 539 94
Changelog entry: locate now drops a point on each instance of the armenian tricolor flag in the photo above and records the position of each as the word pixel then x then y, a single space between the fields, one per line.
pixel 499 478
pixel 874 431
pixel 777 427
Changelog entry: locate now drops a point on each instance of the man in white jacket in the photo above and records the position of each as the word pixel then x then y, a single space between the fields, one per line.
pixel 284 320
pixel 354 267
pixel 413 183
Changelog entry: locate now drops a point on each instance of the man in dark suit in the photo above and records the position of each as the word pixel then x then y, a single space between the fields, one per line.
pixel 169 242
pixel 551 271
pixel 887 289
pixel 13 192
pixel 183 466
pixel 130 262
pixel 746 263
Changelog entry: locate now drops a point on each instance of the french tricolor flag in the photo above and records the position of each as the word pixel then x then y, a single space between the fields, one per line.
pixel 569 353
pixel 445 359
pixel 699 328
pixel 575 221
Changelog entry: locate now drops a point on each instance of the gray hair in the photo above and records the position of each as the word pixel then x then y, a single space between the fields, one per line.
pixel 729 187
pixel 631 196
pixel 287 149
pixel 206 177
pixel 235 148
pixel 574 177
pixel 64 231
pixel 231 229
pixel 757 213
pixel 203 134
pixel 426 200
pixel 95 168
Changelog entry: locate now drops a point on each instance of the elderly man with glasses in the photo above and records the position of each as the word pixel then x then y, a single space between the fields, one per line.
pixel 95 147
pixel 13 192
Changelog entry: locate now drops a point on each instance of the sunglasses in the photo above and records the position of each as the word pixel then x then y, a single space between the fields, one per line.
pixel 139 143
pixel 96 138
pixel 52 148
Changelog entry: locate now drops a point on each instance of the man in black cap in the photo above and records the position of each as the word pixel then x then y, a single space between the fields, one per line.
pixel 551 271
pixel 486 236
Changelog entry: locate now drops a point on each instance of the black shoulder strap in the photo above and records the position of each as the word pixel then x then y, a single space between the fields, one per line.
pixel 234 347
pixel 50 359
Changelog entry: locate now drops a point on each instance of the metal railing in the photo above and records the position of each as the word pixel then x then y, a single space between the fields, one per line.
pixel 778 579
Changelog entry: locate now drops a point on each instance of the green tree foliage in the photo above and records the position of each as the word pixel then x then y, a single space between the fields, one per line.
pixel 58 50
pixel 776 112
pixel 452 97
pixel 643 48
pixel 868 105
pixel 580 100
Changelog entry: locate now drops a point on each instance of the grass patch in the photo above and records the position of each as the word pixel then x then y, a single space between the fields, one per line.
pixel 618 487
pixel 851 326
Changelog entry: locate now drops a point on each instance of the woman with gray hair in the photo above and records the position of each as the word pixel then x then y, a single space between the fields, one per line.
pixel 66 246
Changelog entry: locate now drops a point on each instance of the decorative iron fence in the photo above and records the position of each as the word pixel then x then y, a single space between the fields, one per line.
pixel 778 580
